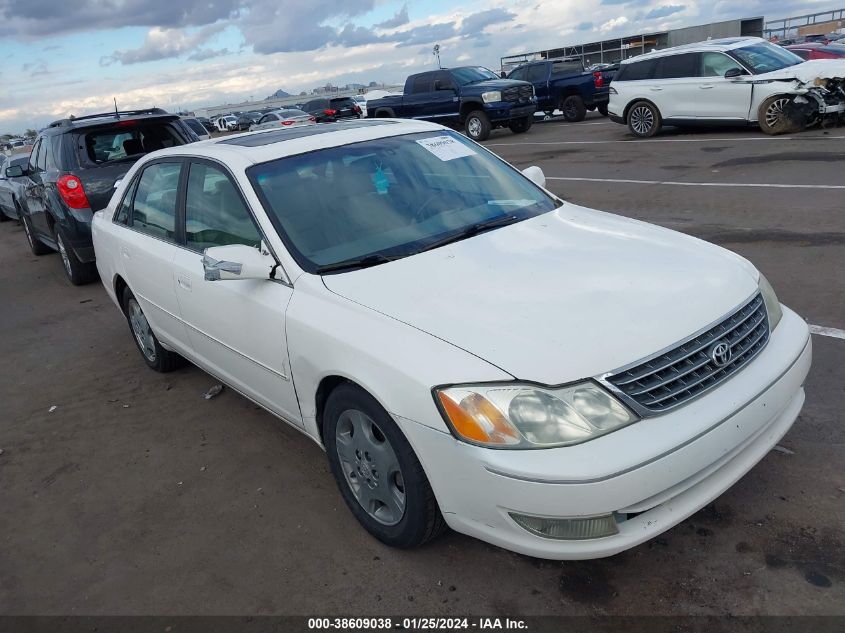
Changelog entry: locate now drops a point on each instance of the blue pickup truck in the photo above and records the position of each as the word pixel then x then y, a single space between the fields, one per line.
pixel 471 98
pixel 564 84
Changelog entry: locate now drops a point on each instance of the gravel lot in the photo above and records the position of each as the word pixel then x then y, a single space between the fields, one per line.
pixel 137 496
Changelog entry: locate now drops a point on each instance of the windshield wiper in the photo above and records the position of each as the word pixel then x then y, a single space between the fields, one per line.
pixel 472 230
pixel 357 263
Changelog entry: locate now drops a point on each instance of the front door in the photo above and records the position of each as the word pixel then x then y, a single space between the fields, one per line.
pixel 722 98
pixel 236 327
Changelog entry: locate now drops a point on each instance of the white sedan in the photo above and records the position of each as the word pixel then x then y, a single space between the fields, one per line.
pixel 469 349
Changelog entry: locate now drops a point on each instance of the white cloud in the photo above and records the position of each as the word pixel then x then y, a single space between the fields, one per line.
pixel 613 24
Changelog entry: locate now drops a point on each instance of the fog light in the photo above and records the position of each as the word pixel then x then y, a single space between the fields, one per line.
pixel 568 529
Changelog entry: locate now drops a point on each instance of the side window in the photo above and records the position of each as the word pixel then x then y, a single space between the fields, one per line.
pixel 422 83
pixel 125 208
pixel 446 82
pixel 677 66
pixel 716 64
pixel 215 214
pixel 537 73
pixel 50 147
pixel 519 74
pixel 33 157
pixel 154 204
pixel 637 71
pixel 803 53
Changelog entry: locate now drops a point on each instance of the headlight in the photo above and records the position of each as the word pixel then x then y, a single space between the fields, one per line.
pixel 491 97
pixel 529 416
pixel 771 300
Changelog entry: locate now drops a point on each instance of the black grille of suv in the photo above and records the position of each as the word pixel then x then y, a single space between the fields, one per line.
pixel 518 93
pixel 697 365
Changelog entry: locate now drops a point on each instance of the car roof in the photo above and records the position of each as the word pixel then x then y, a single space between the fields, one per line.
pixel 242 150
pixel 104 118
pixel 723 44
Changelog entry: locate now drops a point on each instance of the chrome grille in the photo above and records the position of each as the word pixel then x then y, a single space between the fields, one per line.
pixel 688 370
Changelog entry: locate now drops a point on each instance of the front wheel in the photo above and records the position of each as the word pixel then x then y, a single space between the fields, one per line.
pixel 154 354
pixel 379 476
pixel 477 126
pixel 521 126
pixel 35 245
pixel 775 116
pixel 644 120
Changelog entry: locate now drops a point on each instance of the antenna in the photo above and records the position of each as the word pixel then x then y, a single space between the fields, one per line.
pixel 436 52
pixel 116 113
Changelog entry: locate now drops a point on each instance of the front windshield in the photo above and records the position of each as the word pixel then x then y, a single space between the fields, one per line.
pixel 765 58
pixel 472 75
pixel 389 197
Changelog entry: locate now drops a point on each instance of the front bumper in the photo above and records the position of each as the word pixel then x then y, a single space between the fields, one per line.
pixel 502 111
pixel 662 469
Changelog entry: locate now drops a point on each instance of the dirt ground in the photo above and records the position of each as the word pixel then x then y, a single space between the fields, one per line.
pixel 137 496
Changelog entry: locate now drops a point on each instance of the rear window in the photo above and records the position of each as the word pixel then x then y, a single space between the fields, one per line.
pixel 196 126
pixel 106 145
pixel 343 102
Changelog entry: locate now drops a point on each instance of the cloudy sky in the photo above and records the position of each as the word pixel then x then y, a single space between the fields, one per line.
pixel 63 57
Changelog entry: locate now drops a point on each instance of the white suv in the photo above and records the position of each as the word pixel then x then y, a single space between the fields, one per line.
pixel 728 81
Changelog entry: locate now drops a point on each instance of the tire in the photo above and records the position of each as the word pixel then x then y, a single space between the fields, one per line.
pixel 79 273
pixel 774 117
pixel 644 119
pixel 363 443
pixel 573 109
pixel 152 352
pixel 521 126
pixel 477 126
pixel 602 108
pixel 3 216
pixel 35 245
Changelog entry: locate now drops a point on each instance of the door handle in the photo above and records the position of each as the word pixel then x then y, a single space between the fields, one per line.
pixel 184 282
pixel 125 252
pixel 656 89
pixel 707 86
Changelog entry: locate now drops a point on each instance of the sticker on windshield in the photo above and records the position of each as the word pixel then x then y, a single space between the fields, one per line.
pixel 446 148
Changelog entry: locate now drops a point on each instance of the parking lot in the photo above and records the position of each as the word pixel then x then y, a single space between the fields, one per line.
pixel 124 491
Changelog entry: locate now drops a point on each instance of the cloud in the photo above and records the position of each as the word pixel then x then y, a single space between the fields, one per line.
pixel 426 34
pixel 45 17
pixel 399 19
pixel 201 54
pixel 36 68
pixel 614 23
pixel 664 11
pixel 161 43
pixel 476 23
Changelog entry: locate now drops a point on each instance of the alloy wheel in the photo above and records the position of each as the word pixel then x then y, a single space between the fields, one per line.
pixel 474 127
pixel 775 112
pixel 642 119
pixel 141 330
pixel 370 467
pixel 63 253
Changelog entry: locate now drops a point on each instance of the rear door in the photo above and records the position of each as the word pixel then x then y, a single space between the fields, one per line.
pixel 721 98
pixel 538 75
pixel 418 102
pixel 36 195
pixel 149 246
pixel 676 77
pixel 236 327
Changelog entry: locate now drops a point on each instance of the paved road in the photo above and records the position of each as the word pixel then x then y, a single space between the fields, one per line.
pixel 136 495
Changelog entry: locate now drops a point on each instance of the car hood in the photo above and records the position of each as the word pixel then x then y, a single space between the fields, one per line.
pixel 806 72
pixel 569 294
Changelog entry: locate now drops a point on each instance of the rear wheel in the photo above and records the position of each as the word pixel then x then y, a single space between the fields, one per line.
pixel 602 108
pixel 573 109
pixel 79 273
pixel 35 245
pixel 477 126
pixel 154 354
pixel 774 116
pixel 521 126
pixel 644 119
pixel 379 476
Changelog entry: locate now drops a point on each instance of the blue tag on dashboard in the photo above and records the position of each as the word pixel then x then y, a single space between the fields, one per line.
pixel 380 181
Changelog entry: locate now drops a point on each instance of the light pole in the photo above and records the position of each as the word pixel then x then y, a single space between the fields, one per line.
pixel 436 53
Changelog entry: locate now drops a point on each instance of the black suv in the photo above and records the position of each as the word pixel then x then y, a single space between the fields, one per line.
pixel 331 110
pixel 73 169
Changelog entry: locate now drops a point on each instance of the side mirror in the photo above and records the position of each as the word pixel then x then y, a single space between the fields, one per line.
pixel 15 171
pixel 535 175
pixel 732 73
pixel 237 261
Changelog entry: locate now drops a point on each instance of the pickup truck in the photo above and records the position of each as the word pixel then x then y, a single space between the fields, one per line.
pixel 471 98
pixel 564 84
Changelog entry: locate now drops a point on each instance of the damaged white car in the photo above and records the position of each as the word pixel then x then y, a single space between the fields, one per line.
pixel 741 81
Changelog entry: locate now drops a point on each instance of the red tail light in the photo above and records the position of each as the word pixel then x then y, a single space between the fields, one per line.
pixel 71 191
pixel 357 108
pixel 329 112
pixel 313 119
pixel 598 79
pixel 286 122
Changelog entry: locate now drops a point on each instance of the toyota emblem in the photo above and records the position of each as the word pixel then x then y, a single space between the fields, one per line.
pixel 720 354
